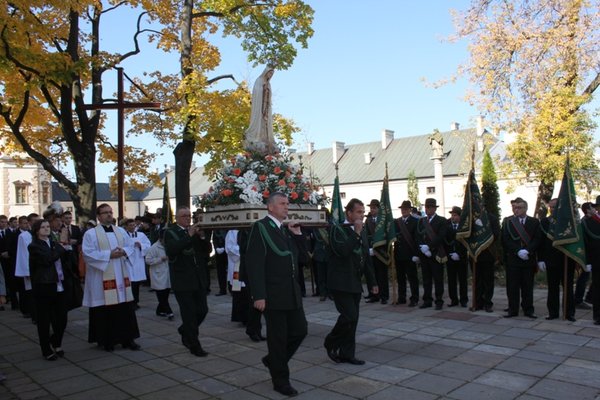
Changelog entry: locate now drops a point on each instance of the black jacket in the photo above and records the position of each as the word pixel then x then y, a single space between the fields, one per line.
pixel 405 248
pixel 187 259
pixel 512 242
pixel 42 260
pixel 272 265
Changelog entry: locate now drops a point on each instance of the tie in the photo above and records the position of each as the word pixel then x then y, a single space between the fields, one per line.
pixel 522 221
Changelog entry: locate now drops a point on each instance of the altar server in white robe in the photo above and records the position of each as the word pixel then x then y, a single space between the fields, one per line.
pixel 22 265
pixel 137 267
pixel 106 250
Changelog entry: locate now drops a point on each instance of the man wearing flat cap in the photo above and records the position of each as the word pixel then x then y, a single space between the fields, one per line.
pixel 380 269
pixel 406 253
pixel 456 267
pixel 521 238
pixel 431 232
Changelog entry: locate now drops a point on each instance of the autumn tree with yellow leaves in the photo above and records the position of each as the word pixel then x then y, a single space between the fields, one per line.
pixel 51 57
pixel 534 67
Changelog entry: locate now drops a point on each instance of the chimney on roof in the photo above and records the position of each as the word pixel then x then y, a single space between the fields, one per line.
pixel 387 136
pixel 368 158
pixel 338 151
pixel 454 126
pixel 310 148
pixel 480 128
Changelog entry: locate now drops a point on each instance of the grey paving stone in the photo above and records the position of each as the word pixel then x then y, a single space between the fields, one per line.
pixel 472 391
pixel 534 355
pixel 437 350
pixel 243 377
pixel 242 394
pixel 527 366
pixel 557 390
pixel 145 384
pixel 457 370
pixel 506 380
pixel 58 371
pixel 388 374
pixel 430 383
pixel 472 336
pixel 487 348
pixel 554 348
pixel 70 386
pixel 318 376
pixel 462 344
pixel 525 333
pixel 180 392
pixel 356 386
pixel 123 373
pixel 213 387
pixel 508 341
pixel 415 362
pixel 395 393
pixel 104 392
pixel 213 367
pixel 567 339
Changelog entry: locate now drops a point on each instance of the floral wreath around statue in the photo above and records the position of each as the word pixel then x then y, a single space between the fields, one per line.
pixel 251 178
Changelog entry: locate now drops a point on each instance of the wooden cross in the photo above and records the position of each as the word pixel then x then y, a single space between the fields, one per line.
pixel 120 106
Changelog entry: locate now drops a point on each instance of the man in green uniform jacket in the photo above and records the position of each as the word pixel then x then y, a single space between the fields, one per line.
pixel 348 262
pixel 272 267
pixel 187 248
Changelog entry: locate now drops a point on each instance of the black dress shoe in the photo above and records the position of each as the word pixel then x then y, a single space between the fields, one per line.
pixel 597 322
pixel 373 300
pixel 438 306
pixel 383 301
pixel 551 317
pixel 425 305
pixel 261 337
pixel 489 309
pixel 453 304
pixel 510 315
pixel 198 352
pixel 571 319
pixel 413 304
pixel 333 354
pixel 353 361
pixel 463 304
pixel 322 298
pixel 402 301
pixel 531 315
pixel 132 345
pixel 286 390
pixel 265 361
pixel 108 347
pixel 254 337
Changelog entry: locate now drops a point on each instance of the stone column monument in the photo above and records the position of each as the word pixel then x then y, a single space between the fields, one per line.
pixel 436 141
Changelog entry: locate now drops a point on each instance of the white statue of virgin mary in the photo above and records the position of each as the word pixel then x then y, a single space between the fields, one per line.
pixel 259 135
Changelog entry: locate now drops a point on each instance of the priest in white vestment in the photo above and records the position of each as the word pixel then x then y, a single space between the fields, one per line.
pixel 107 249
pixel 137 266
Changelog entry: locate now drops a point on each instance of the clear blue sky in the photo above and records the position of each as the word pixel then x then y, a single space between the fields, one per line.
pixel 362 72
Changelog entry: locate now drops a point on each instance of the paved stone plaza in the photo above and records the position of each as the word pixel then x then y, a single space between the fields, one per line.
pixel 411 354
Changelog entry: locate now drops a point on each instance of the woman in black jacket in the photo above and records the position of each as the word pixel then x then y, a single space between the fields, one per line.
pixel 48 291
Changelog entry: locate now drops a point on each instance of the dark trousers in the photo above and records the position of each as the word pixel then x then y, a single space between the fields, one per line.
pixel 433 274
pixel 52 312
pixel 163 301
pixel 301 280
pixel 381 277
pixel 484 281
pixel 519 282
pixel 285 331
pixel 253 326
pixel 596 291
pixel 343 334
pixel 135 289
pixel 321 277
pixel 457 275
pixel 555 275
pixel 221 262
pixel 11 284
pixel 407 270
pixel 240 302
pixel 193 309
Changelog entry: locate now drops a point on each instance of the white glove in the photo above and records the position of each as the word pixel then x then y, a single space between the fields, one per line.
pixel 416 259
pixel 454 256
pixel 371 252
pixel 542 266
pixel 478 222
pixel 428 254
pixel 220 250
pixel 588 268
pixel 523 254
pixel 424 249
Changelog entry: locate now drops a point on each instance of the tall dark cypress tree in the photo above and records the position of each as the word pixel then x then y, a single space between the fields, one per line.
pixel 489 187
